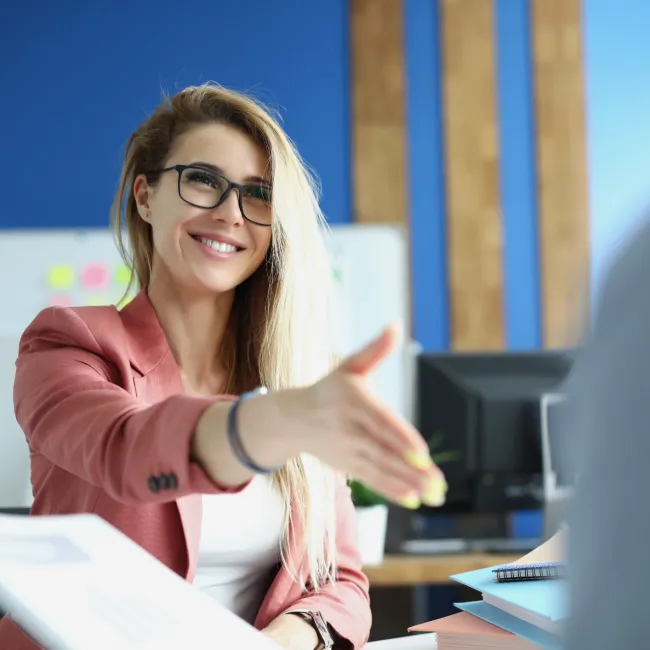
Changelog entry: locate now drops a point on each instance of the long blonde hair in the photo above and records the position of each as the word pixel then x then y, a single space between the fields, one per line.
pixel 279 329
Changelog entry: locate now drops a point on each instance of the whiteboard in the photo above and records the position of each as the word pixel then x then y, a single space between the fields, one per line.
pixel 83 267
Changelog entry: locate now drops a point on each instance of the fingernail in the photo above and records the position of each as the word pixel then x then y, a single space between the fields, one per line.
pixel 435 494
pixel 419 460
pixel 410 501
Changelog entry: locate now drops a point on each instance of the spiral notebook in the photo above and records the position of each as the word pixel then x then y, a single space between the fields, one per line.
pixel 538 571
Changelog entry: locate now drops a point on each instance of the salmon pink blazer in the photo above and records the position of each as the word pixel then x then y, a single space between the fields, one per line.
pixel 99 397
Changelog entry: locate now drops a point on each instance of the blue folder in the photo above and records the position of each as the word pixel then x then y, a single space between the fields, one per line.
pixel 547 598
pixel 506 621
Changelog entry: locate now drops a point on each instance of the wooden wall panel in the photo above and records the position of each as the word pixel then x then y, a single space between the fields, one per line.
pixel 561 164
pixel 378 112
pixel 475 243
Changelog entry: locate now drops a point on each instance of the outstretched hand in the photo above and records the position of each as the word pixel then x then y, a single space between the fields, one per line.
pixel 346 426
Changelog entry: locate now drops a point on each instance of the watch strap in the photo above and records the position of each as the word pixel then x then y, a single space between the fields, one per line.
pixel 317 620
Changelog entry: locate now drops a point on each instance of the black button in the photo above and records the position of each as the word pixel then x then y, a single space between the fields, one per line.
pixel 172 481
pixel 154 484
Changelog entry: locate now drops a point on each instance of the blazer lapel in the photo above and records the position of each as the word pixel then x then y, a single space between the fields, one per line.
pixel 157 377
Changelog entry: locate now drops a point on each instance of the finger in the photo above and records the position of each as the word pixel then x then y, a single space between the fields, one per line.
pixel 386 487
pixel 390 466
pixel 393 431
pixel 373 436
pixel 366 359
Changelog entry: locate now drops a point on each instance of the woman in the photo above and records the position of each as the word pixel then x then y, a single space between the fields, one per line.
pixel 129 414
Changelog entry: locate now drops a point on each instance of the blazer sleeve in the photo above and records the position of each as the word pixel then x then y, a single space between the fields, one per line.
pixel 344 604
pixel 73 412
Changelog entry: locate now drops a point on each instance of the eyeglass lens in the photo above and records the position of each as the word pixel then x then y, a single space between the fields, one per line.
pixel 205 189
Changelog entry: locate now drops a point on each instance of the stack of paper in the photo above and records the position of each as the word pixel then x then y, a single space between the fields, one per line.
pixel 463 631
pixel 526 614
pixel 74 582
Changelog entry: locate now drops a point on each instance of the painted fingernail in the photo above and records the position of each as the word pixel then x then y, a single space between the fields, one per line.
pixel 435 493
pixel 419 460
pixel 410 501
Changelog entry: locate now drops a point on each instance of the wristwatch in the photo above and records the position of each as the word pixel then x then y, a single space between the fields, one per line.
pixel 317 620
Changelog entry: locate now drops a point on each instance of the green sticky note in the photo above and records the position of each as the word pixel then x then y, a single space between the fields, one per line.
pixel 123 275
pixel 61 276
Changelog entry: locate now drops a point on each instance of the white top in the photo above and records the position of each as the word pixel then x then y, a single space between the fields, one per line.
pixel 240 544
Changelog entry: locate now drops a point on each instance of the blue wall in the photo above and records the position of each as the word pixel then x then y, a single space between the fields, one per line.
pixel 517 174
pixel 617 57
pixel 617 60
pixel 78 77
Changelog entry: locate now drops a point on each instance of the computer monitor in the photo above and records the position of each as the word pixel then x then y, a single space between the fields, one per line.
pixel 481 414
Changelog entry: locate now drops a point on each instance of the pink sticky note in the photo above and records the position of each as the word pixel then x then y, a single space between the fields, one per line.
pixel 60 301
pixel 95 276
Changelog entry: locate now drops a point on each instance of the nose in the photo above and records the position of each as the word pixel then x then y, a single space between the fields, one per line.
pixel 229 211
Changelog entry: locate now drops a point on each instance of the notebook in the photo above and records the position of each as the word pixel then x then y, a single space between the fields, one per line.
pixel 463 631
pixel 116 594
pixel 542 603
pixel 519 572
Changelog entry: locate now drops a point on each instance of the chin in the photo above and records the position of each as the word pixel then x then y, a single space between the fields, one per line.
pixel 217 286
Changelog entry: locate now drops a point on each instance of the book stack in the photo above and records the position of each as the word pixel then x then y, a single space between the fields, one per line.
pixel 523 605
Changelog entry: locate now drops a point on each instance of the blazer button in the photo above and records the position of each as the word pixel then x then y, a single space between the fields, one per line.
pixel 154 484
pixel 172 481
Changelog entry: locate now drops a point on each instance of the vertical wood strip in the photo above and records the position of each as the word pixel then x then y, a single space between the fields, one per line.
pixel 378 114
pixel 475 242
pixel 561 164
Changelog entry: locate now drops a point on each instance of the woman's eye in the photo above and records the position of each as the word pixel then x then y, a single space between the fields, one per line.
pixel 202 177
pixel 259 192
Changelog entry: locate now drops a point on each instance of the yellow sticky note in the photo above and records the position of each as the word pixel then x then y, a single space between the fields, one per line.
pixel 61 277
pixel 123 275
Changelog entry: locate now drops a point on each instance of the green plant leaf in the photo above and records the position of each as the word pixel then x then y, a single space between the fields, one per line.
pixel 363 496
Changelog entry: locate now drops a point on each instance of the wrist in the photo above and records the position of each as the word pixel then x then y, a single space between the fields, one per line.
pixel 308 631
pixel 265 429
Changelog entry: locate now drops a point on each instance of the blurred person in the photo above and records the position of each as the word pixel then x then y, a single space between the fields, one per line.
pixel 609 523
pixel 155 416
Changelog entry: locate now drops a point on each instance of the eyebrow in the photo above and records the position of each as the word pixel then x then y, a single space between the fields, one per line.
pixel 249 179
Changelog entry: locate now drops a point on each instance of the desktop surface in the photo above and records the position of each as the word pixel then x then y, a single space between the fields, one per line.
pixel 413 642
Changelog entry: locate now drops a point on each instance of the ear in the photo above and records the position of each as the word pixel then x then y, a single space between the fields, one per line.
pixel 142 196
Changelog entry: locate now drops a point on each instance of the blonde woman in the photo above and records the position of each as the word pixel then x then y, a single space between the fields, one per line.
pixel 132 414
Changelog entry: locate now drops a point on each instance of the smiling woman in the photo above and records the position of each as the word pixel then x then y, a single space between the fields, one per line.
pixel 206 419
pixel 201 215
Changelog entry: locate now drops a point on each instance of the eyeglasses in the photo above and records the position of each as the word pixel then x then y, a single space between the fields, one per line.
pixel 204 188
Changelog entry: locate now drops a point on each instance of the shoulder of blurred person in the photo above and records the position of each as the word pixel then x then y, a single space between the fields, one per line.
pixel 609 521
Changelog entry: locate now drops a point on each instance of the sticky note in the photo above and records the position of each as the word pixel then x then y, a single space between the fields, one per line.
pixel 123 275
pixel 61 276
pixel 95 299
pixel 95 276
pixel 60 300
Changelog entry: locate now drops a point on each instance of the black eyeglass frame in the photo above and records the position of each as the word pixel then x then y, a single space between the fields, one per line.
pixel 230 186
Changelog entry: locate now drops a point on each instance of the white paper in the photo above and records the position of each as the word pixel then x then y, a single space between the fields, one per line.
pixel 74 582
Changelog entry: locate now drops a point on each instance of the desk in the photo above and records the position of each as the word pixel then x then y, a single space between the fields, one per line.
pixel 418 570
pixel 414 642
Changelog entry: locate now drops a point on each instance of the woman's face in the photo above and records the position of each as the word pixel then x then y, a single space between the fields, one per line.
pixel 208 248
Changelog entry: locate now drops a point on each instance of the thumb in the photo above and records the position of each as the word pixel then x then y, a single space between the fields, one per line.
pixel 373 353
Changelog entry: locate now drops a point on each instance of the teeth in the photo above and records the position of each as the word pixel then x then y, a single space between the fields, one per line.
pixel 218 246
